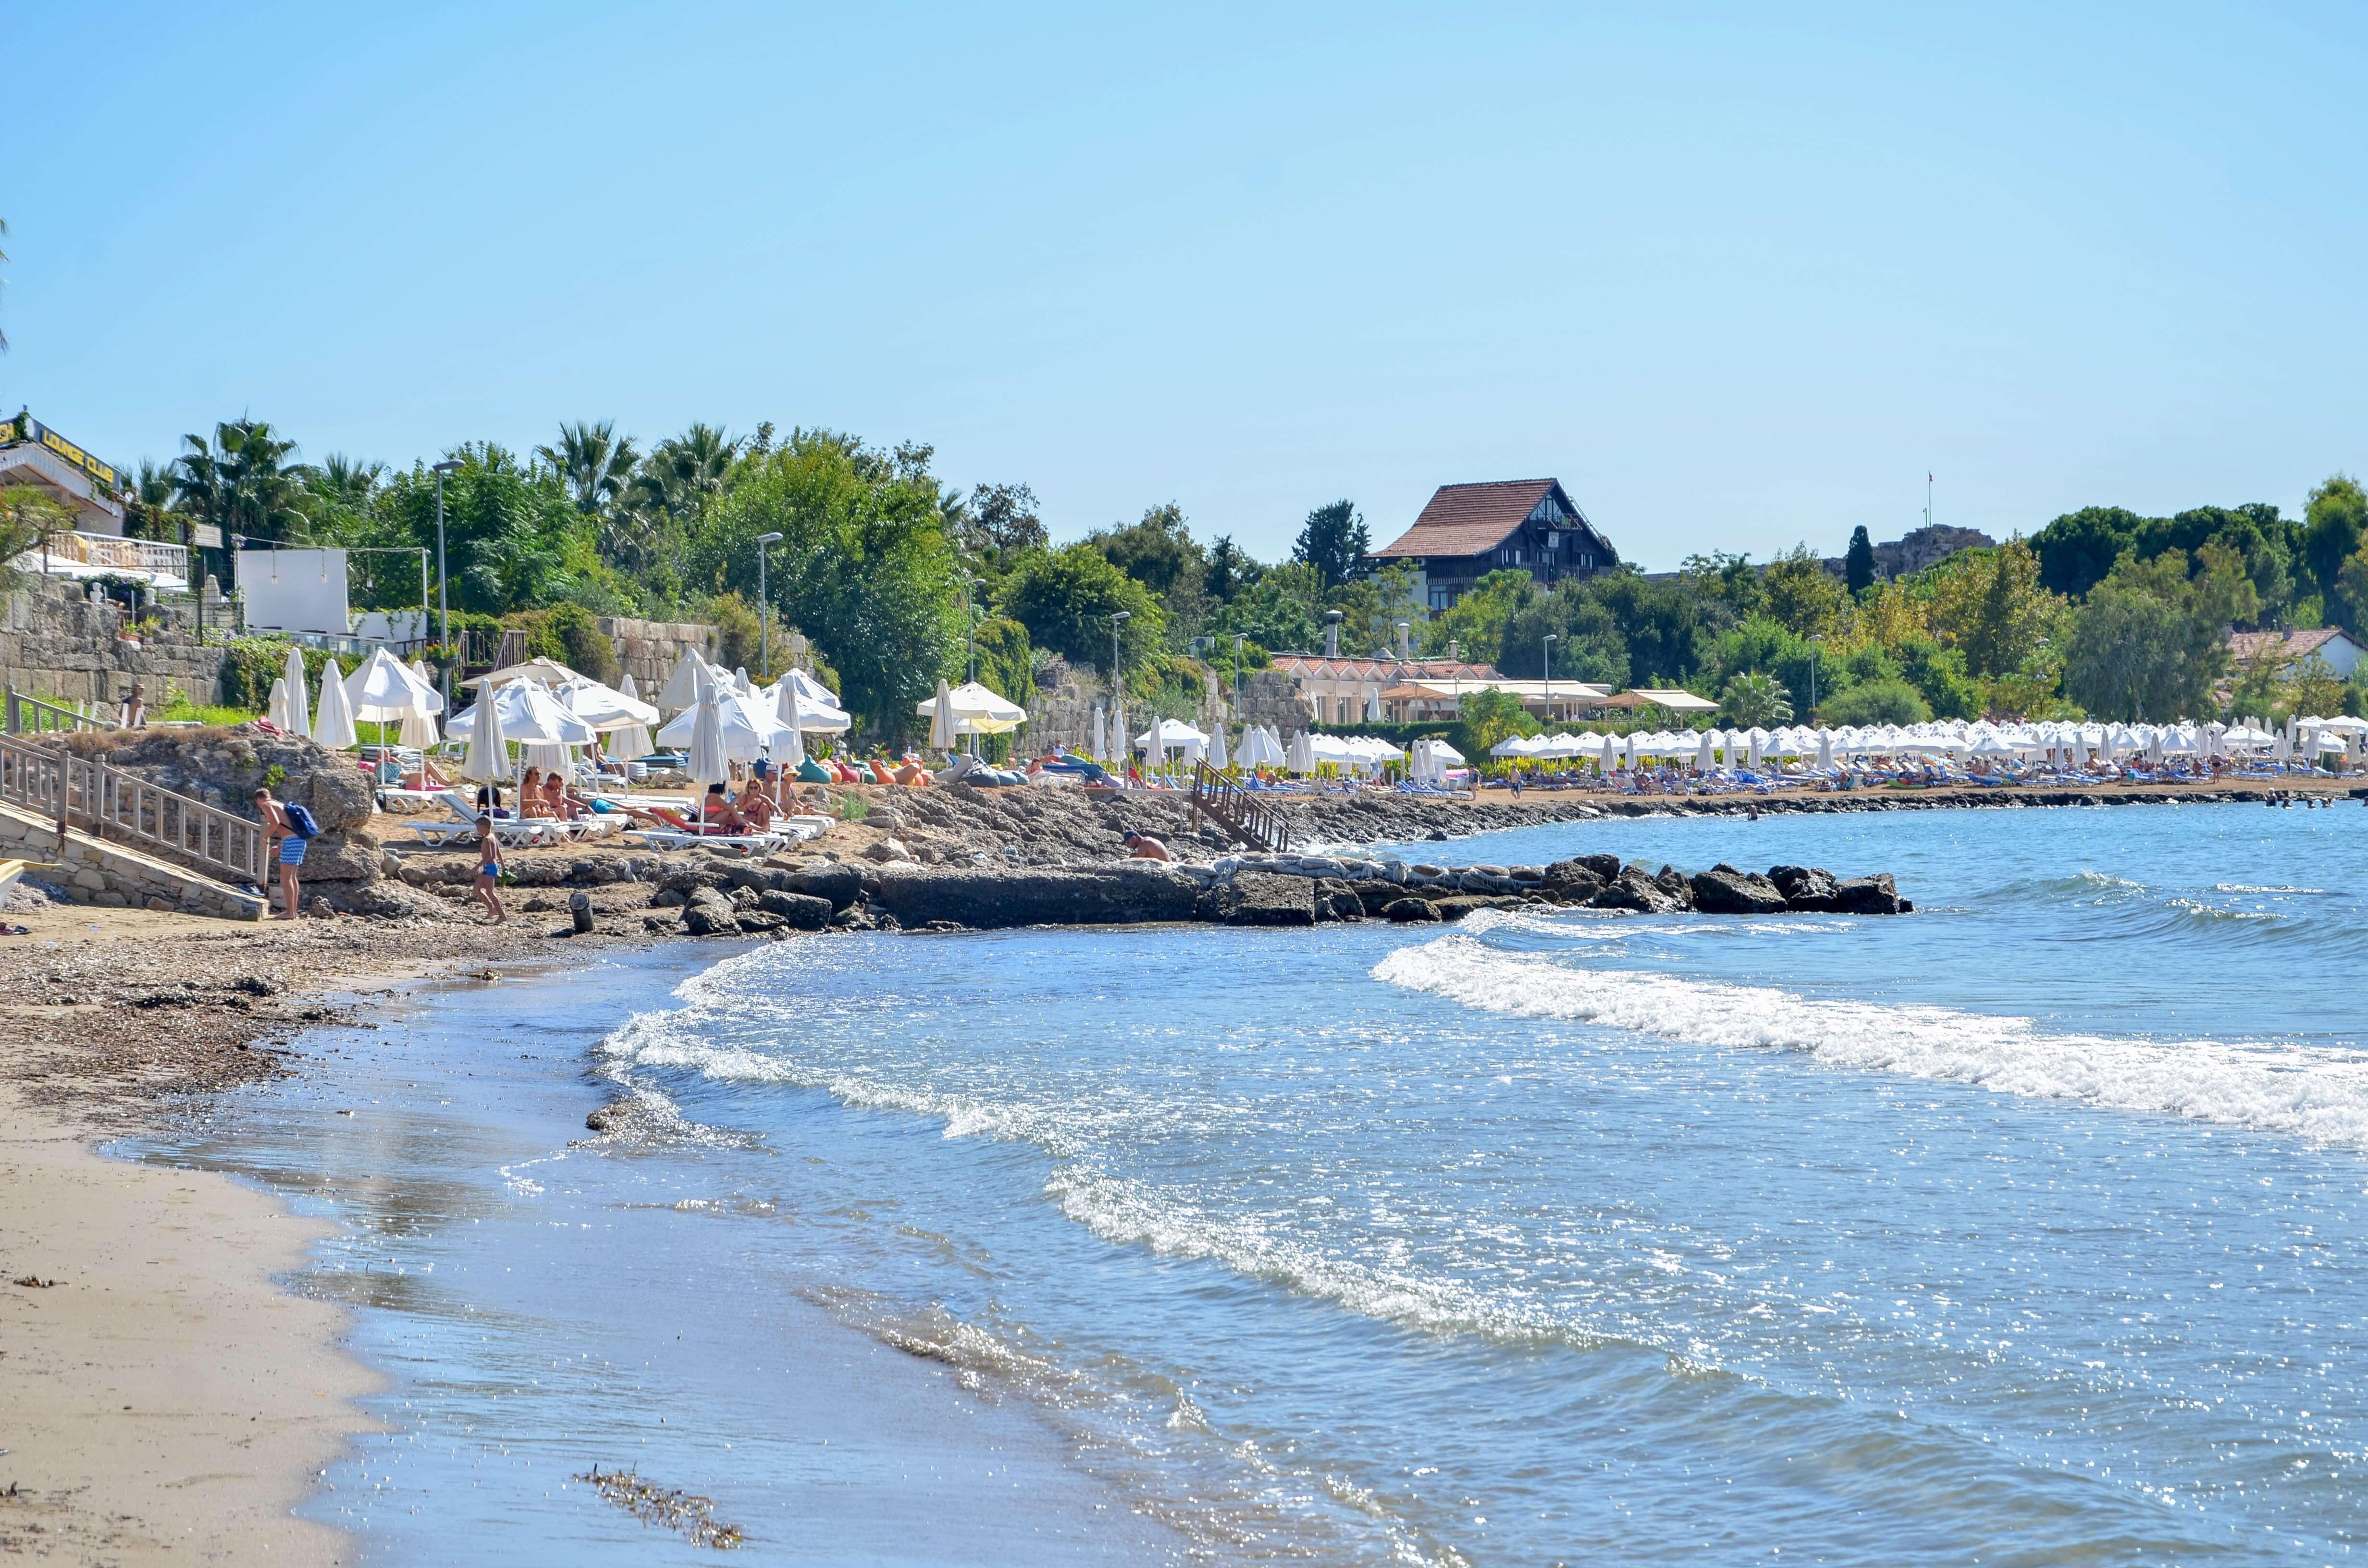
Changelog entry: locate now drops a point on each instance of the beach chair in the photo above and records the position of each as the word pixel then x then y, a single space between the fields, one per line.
pixel 676 838
pixel 460 826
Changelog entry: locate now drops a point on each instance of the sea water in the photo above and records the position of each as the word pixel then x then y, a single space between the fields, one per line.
pixel 2025 1229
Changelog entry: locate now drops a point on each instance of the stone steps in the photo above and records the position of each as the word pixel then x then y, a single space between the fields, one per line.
pixel 116 876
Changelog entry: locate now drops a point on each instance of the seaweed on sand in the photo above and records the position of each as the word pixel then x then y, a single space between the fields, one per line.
pixel 691 1516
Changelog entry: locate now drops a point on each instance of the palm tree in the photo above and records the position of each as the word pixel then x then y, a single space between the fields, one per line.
pixel 683 472
pixel 243 482
pixel 346 480
pixel 595 463
pixel 1755 700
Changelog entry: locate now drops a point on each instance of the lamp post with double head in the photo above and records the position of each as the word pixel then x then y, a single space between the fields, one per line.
pixel 764 608
pixel 443 602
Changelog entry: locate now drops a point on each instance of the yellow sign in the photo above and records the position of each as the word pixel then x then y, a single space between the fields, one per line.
pixel 31 429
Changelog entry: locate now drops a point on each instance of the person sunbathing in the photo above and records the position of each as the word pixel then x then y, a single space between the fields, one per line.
pixel 721 815
pixel 555 795
pixel 531 805
pixel 756 807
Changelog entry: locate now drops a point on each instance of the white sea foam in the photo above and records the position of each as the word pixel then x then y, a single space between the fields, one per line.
pixel 2319 1095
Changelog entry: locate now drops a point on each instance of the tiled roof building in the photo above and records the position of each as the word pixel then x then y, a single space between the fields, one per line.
pixel 1470 530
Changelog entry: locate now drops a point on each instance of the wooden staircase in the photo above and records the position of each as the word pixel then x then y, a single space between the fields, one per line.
pixel 1251 821
pixel 110 803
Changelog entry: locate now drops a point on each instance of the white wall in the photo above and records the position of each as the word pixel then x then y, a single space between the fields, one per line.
pixel 294 590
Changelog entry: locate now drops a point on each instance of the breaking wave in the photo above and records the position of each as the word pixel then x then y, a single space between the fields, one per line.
pixel 2313 1093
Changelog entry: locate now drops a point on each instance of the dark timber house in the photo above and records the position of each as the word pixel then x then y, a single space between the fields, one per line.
pixel 1470 530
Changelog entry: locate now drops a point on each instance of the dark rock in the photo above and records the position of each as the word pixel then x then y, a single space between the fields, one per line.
pixel 1633 889
pixel 1674 882
pixel 1809 889
pixel 986 900
pixel 824 880
pixel 742 898
pixel 688 876
pixel 804 911
pixel 385 900
pixel 338 796
pixel 1336 900
pixel 343 856
pixel 1376 895
pixel 1462 905
pixel 757 923
pixel 1867 895
pixel 1409 910
pixel 1575 882
pixel 1723 890
pixel 1262 898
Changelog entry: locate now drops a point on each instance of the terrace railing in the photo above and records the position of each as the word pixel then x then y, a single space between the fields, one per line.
pixel 31 715
pixel 108 552
pixel 75 791
pixel 1252 820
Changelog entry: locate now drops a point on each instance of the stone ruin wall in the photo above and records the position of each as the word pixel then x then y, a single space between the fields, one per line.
pixel 649 650
pixel 1064 716
pixel 55 643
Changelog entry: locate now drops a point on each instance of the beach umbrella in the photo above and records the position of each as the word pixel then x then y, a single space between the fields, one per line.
pixel 275 711
pixel 604 707
pixel 488 758
pixel 1154 747
pixel 300 707
pixel 529 714
pixel 682 687
pixel 976 709
pixel 334 726
pixel 941 718
pixel 384 690
pixel 791 749
pixel 418 730
pixel 1825 751
pixel 1102 736
pixel 1301 757
pixel 1217 758
pixel 1118 730
pixel 818 706
pixel 540 670
pixel 747 723
pixel 705 760
pixel 1756 739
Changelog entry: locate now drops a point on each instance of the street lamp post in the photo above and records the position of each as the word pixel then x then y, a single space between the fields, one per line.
pixel 764 608
pixel 1117 702
pixel 1814 643
pixel 1240 638
pixel 443 603
pixel 970 627
pixel 1551 639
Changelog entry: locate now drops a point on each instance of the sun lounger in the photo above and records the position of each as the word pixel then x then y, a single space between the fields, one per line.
pixel 672 838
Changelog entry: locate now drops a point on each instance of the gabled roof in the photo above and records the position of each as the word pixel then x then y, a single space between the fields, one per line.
pixel 1471 519
pixel 2295 646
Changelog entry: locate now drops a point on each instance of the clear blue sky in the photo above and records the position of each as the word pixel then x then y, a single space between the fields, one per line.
pixel 1736 281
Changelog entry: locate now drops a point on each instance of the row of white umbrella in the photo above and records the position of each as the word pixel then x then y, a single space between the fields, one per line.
pixel 2073 744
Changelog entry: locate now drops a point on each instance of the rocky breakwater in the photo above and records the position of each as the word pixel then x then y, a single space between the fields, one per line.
pixel 344 866
pixel 1307 890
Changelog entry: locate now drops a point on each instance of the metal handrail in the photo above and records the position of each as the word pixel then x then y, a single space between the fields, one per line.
pixel 76 792
pixel 27 714
pixel 1250 818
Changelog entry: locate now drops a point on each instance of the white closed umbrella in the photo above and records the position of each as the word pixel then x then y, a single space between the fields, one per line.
pixel 1101 736
pixel 682 687
pixel 1117 731
pixel 1825 751
pixel 1217 758
pixel 418 728
pixel 791 749
pixel 1155 748
pixel 941 718
pixel 334 726
pixel 488 758
pixel 705 760
pixel 275 711
pixel 300 706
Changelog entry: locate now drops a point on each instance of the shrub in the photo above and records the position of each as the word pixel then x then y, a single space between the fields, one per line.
pixel 1887 700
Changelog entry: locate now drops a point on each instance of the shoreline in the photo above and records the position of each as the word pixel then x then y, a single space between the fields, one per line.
pixel 169 1398
pixel 170 1296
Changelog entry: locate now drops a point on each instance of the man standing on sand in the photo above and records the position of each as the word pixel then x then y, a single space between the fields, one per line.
pixel 291 845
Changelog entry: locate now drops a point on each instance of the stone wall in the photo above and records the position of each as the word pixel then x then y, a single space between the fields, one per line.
pixel 56 643
pixel 1272 698
pixel 114 876
pixel 649 650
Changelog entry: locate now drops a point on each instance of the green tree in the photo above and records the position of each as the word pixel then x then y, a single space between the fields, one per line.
pixel 2078 548
pixel 2334 524
pixel 28 514
pixel 1888 700
pixel 1160 552
pixel 512 541
pixel 1488 716
pixel 1229 570
pixel 863 568
pixel 1334 542
pixel 1993 605
pixel 1858 561
pixel 2314 689
pixel 1002 519
pixel 1754 700
pixel 2351 594
pixel 2147 644
pixel 1590 645
pixel 1803 595
pixel 1065 599
pixel 1475 623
